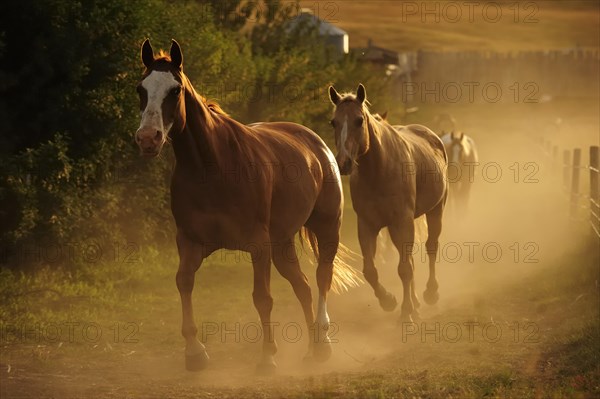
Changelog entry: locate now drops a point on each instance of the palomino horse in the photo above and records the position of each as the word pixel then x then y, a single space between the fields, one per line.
pixel 396 175
pixel 249 188
pixel 462 161
pixel 420 223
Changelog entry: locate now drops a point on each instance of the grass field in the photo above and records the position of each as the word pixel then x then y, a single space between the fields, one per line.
pixel 455 25
pixel 526 329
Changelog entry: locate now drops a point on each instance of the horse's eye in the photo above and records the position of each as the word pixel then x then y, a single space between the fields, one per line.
pixel 176 90
pixel 332 122
pixel 359 121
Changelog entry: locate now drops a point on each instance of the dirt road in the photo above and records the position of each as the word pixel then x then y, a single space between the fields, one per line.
pixel 517 300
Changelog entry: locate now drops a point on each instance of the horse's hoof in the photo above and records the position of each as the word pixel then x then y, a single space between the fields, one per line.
pixel 309 359
pixel 416 303
pixel 415 316
pixel 431 297
pixel 405 318
pixel 196 362
pixel 322 351
pixel 388 302
pixel 266 368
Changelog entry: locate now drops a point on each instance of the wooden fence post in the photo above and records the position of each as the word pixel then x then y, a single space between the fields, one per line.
pixel 566 168
pixel 595 189
pixel 575 181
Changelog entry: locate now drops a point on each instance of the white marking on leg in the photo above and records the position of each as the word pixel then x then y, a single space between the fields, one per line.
pixel 194 347
pixel 322 316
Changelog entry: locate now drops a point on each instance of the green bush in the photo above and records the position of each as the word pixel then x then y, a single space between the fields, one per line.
pixel 70 168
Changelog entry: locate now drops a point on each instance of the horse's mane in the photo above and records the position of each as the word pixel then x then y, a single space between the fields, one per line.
pixel 164 55
pixel 230 138
pixel 162 59
pixel 349 97
pixel 213 106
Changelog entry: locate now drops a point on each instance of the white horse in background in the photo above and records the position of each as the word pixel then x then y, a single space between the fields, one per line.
pixel 462 163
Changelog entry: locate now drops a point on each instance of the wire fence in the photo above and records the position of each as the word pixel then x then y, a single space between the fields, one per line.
pixel 518 73
pixel 584 204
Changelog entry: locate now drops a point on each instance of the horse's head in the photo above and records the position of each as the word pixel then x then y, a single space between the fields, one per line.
pixel 444 123
pixel 351 128
pixel 455 147
pixel 161 98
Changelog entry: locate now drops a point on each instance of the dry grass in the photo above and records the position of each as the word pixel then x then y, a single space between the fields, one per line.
pixel 407 26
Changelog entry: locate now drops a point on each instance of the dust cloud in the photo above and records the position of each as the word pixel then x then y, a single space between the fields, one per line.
pixel 517 226
pixel 492 310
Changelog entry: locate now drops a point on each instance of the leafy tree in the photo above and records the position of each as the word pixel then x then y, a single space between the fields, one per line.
pixel 68 70
pixel 229 14
pixel 69 106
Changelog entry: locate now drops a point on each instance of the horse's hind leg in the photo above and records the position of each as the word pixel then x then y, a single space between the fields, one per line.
pixel 465 194
pixel 434 229
pixel 261 263
pixel 286 262
pixel 190 258
pixel 367 236
pixel 403 237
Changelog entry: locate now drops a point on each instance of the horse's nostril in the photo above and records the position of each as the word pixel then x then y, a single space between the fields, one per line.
pixel 157 135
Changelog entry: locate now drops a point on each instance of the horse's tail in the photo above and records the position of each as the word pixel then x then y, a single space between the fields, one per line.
pixel 421 229
pixel 344 275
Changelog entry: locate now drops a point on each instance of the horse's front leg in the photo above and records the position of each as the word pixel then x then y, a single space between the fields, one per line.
pixel 403 237
pixel 190 258
pixel 261 262
pixel 367 237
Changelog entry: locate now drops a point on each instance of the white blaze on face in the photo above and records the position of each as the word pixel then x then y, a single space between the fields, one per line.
pixel 157 85
pixel 456 153
pixel 343 138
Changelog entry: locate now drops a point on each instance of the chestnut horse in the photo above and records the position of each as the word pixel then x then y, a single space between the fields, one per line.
pixel 396 175
pixel 249 188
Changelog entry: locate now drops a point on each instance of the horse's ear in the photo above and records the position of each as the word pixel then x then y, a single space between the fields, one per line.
pixel 333 95
pixel 361 93
pixel 384 115
pixel 175 53
pixel 147 53
pixel 462 135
